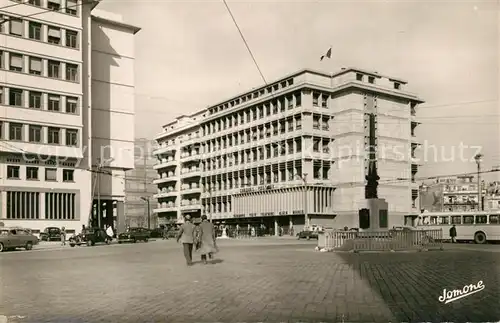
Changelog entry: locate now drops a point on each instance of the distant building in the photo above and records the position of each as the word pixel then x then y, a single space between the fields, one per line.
pixel 458 194
pixel 139 186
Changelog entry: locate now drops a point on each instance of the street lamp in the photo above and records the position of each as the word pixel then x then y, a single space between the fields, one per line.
pixel 146 199
pixel 478 158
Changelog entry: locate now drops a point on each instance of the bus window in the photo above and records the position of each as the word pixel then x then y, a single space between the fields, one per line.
pixel 444 220
pixel 494 219
pixel 456 219
pixel 434 220
pixel 468 219
pixel 481 219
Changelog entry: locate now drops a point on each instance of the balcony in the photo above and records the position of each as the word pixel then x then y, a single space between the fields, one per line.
pixel 166 177
pixel 191 204
pixel 191 140
pixel 191 190
pixel 165 163
pixel 193 172
pixel 166 193
pixel 185 157
pixel 164 149
pixel 166 207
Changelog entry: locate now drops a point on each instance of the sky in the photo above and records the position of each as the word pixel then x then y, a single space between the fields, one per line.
pixel 189 55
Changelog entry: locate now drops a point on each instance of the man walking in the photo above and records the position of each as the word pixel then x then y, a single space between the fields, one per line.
pixel 63 236
pixel 186 236
pixel 208 246
pixel 453 234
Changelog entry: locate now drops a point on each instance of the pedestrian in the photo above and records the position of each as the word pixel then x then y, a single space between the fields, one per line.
pixel 165 232
pixel 186 236
pixel 110 233
pixel 208 246
pixel 63 236
pixel 453 234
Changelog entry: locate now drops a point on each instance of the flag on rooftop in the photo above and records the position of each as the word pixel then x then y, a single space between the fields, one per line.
pixel 327 55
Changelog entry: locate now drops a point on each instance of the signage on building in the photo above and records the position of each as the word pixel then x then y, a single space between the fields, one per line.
pixel 298 212
pixel 252 215
pixel 257 189
pixel 190 211
pixel 267 214
pixel 239 215
pixel 283 212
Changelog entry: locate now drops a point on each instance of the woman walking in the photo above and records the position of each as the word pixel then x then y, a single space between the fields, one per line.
pixel 208 246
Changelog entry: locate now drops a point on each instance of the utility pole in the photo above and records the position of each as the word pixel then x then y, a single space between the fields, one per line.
pixel 306 216
pixel 99 167
pixel 210 203
pixel 146 199
pixel 478 159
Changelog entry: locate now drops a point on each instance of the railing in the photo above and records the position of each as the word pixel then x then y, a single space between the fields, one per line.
pixel 381 241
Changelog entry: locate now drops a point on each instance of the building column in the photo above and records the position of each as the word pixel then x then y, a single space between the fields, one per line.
pixel 120 217
pixel 276 233
pixel 109 213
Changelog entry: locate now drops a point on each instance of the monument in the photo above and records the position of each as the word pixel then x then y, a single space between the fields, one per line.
pixel 374 214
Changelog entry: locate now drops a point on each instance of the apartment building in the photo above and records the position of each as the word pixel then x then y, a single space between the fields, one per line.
pixel 292 152
pixel 139 187
pixel 63 78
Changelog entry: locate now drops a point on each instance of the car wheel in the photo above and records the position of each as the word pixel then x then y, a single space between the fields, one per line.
pixel 1 247
pixel 308 238
pixel 29 245
pixel 119 242
pixel 72 245
pixel 89 243
pixel 133 240
pixel 145 239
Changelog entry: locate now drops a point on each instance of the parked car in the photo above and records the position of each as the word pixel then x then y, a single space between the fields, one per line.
pixel 12 238
pixel 51 234
pixel 156 233
pixel 89 237
pixel 134 234
pixel 307 234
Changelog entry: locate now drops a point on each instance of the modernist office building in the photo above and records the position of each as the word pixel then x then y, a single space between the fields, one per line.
pixel 291 152
pixel 66 95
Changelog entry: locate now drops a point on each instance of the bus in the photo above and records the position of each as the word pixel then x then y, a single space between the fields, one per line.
pixel 479 227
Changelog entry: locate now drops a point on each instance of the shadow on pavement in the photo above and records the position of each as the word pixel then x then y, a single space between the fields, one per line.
pixel 410 284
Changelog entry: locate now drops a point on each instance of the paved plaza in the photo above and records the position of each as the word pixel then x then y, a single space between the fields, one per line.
pixel 253 281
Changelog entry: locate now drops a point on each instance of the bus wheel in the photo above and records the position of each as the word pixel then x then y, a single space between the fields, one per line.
pixel 480 238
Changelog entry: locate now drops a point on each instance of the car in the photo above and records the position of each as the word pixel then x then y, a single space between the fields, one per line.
pixel 134 234
pixel 12 238
pixel 307 234
pixel 89 237
pixel 156 233
pixel 50 234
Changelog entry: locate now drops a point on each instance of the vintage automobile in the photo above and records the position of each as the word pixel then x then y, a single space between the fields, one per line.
pixel 156 233
pixel 12 238
pixel 89 237
pixel 51 234
pixel 307 234
pixel 134 234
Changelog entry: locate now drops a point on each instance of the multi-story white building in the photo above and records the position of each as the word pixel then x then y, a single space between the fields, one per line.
pixel 66 94
pixel 292 151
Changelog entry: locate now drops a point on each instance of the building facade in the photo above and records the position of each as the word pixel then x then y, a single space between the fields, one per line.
pixel 291 153
pixel 57 109
pixel 139 187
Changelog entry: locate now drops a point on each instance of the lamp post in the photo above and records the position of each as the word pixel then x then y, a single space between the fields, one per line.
pixel 146 199
pixel 100 165
pixel 478 158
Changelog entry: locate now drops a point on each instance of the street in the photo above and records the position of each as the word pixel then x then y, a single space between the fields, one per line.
pixel 253 280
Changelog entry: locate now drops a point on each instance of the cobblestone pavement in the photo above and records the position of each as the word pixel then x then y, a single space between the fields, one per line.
pixel 254 281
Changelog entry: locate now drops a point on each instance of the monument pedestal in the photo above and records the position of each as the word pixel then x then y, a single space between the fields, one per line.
pixel 374 215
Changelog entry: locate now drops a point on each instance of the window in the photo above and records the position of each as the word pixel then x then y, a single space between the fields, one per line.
pixel 72 72
pixel 68 175
pixel 23 205
pixel 35 100
pixel 15 131
pixel 71 104
pixel 54 101
pixel 32 173
pixel 50 174
pixel 16 27
pixel 359 77
pixel 71 39
pixel 16 97
pixel 13 172
pixel 468 219
pixel 371 79
pixel 1 55
pixel 54 5
pixel 35 2
pixel 481 219
pixel 456 219
pixel 16 62
pixel 71 137
pixel 444 220
pixel 54 69
pixel 35 30
pixel 35 133
pixel 60 206
pixel 35 66
pixel 494 219
pixel 397 86
pixel 71 6
pixel 54 136
pixel 1 130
